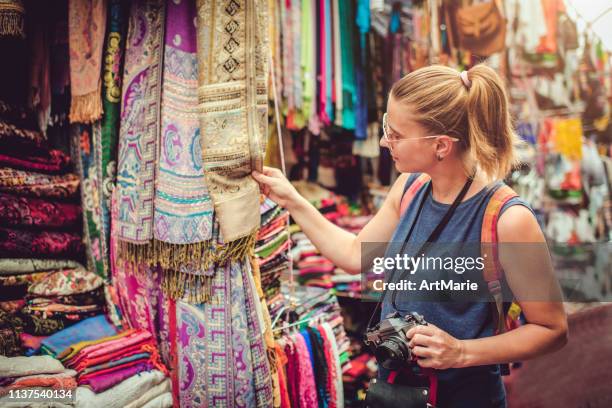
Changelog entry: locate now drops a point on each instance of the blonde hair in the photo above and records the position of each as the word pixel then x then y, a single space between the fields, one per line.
pixel 475 112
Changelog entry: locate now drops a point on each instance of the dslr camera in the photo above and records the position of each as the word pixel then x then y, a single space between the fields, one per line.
pixel 389 342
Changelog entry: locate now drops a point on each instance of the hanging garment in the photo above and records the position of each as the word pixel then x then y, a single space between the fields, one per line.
pixel 233 96
pixel 139 128
pixel 95 146
pixel 183 208
pixel 86 28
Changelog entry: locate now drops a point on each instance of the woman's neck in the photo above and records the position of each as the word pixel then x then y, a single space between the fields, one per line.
pixel 447 182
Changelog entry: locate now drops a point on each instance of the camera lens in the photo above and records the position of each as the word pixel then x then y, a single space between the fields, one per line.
pixel 392 353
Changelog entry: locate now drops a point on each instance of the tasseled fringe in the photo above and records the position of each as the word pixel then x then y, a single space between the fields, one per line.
pixel 11 23
pixel 86 108
pixel 175 258
pixel 188 286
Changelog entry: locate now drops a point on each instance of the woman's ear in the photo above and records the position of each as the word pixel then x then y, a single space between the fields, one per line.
pixel 443 148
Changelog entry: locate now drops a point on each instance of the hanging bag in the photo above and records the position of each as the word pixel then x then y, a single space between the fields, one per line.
pixel 481 28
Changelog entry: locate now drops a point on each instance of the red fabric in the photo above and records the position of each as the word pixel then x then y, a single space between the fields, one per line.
pixel 90 362
pixel 113 369
pixel 29 212
pixel 55 161
pixel 43 244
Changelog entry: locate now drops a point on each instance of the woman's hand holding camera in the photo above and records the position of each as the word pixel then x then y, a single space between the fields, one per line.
pixel 434 348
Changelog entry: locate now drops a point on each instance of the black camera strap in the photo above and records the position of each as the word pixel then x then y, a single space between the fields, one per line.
pixel 435 234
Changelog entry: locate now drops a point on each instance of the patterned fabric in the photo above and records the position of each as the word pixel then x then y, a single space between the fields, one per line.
pixel 139 128
pixel 12 15
pixel 183 210
pixel 96 147
pixel 86 26
pixel 233 363
pixel 232 68
pixel 28 244
pixel 23 279
pixel 53 161
pixel 13 135
pixel 182 206
pixel 67 282
pixel 30 212
pixel 307 390
pixel 38 184
pixel 16 266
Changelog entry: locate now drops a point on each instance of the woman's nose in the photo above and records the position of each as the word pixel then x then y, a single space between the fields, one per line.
pixel 383 143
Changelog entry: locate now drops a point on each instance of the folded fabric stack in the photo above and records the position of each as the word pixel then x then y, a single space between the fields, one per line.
pixel 104 363
pixel 38 372
pixel 312 268
pixel 113 369
pixel 66 296
pixel 17 322
pixel 272 246
pixel 39 212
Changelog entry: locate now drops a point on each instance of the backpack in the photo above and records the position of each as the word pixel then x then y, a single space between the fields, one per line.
pixel 507 314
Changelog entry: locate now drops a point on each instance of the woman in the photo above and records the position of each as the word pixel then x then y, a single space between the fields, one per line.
pixel 453 127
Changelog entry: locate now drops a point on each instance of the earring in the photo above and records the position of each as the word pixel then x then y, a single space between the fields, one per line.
pixel 439 157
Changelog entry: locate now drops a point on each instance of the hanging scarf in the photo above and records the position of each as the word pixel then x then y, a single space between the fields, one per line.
pixel 32 212
pixel 140 109
pixel 12 15
pixel 183 210
pixel 97 147
pixel 232 62
pixel 86 26
pixel 37 184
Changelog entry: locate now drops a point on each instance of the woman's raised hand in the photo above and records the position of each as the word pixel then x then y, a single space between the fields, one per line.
pixel 275 185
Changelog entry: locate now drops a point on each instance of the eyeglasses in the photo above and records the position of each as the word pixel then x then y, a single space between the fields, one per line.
pixel 390 140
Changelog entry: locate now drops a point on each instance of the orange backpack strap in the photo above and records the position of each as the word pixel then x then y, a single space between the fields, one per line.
pixel 411 191
pixel 493 271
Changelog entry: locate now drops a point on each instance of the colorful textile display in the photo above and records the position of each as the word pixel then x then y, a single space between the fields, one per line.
pixel 12 16
pixel 86 27
pixel 271 248
pixel 233 72
pixel 53 161
pixel 28 244
pixel 37 184
pixel 32 212
pixel 66 283
pixel 105 362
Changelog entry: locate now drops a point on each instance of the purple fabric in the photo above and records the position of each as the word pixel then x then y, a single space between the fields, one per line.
pixel 103 382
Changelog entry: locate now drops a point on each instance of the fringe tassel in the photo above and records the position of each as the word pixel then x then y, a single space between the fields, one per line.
pixel 201 256
pixel 86 108
pixel 11 23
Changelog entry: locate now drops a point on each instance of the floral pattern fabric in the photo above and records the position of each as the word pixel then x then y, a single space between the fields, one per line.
pixel 35 212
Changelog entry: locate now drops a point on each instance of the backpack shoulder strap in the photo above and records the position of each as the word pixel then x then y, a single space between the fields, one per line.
pixel 493 271
pixel 411 190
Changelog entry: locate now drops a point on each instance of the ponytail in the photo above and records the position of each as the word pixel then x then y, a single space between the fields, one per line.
pixel 492 139
pixel 472 107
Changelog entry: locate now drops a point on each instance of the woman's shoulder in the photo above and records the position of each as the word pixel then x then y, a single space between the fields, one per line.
pixel 517 222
